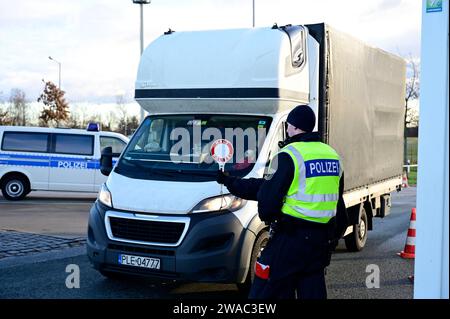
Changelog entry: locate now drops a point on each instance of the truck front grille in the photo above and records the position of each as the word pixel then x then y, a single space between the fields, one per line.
pixel 146 231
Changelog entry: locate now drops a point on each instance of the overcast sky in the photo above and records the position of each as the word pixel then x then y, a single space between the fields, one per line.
pixel 97 41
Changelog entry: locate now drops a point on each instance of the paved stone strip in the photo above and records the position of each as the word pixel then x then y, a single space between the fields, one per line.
pixel 14 243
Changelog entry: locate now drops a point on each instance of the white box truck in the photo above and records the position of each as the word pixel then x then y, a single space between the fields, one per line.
pixel 161 212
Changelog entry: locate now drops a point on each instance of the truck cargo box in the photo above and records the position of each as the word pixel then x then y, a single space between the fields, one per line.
pixel 233 71
pixel 361 106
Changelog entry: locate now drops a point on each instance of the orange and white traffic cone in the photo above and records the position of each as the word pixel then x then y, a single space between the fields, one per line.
pixel 405 181
pixel 410 246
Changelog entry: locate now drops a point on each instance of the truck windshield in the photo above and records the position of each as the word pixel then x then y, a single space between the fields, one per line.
pixel 177 147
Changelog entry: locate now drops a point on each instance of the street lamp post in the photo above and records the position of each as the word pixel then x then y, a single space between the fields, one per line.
pixel 59 71
pixel 141 4
pixel 253 6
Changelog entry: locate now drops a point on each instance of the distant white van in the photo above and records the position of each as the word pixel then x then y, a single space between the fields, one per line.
pixel 53 159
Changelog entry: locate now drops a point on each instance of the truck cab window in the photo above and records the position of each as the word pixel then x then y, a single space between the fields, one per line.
pixel 182 143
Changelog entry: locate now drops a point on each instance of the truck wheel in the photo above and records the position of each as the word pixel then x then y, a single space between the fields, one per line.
pixel 357 239
pixel 15 187
pixel 258 247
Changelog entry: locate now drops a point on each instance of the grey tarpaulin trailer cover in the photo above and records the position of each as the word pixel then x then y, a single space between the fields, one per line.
pixel 361 105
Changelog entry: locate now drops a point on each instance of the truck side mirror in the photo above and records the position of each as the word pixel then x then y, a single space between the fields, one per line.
pixel 106 161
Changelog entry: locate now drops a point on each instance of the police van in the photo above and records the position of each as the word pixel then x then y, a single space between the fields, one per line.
pixel 53 159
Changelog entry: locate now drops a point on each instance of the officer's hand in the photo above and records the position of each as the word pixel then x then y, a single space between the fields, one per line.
pixel 222 177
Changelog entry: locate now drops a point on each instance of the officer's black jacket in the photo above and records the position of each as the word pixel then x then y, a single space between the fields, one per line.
pixel 270 192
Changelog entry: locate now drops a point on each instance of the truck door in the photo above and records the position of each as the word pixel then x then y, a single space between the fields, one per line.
pixel 72 164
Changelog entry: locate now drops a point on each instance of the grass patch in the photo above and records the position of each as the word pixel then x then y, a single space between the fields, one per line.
pixel 411 149
pixel 412 176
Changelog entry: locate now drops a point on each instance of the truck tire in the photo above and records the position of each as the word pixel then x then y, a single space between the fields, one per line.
pixel 258 247
pixel 357 239
pixel 15 187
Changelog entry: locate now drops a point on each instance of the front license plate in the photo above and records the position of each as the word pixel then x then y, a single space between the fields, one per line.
pixel 138 261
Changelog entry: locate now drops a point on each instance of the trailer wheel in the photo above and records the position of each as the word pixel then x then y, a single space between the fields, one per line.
pixel 258 247
pixel 15 187
pixel 357 239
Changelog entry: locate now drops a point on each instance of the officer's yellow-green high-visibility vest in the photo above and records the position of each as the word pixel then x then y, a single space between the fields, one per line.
pixel 314 191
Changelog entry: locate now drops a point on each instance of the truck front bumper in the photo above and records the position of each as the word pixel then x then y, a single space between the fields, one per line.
pixel 216 248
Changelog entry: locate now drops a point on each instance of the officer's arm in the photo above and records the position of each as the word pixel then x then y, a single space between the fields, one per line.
pixel 275 188
pixel 246 188
pixel 341 212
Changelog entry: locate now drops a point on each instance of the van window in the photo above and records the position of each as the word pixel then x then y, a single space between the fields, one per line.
pixel 177 147
pixel 25 142
pixel 74 144
pixel 116 144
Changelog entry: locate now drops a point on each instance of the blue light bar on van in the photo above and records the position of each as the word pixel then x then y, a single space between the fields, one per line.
pixel 93 127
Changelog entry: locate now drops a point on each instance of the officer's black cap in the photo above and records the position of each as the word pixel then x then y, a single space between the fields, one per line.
pixel 302 117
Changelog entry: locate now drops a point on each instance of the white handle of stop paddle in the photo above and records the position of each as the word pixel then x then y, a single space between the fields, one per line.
pixel 221 160
pixel 222 168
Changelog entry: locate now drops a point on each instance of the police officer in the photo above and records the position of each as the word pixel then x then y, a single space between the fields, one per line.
pixel 302 201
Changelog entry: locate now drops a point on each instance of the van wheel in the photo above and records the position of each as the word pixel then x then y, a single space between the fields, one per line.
pixel 15 187
pixel 258 247
pixel 357 239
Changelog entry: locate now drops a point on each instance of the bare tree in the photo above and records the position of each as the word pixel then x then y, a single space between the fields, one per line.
pixel 133 124
pixel 80 113
pixel 4 117
pixel 74 121
pixel 122 113
pixel 18 107
pixel 127 128
pixel 110 120
pixel 96 118
pixel 412 93
pixel 57 108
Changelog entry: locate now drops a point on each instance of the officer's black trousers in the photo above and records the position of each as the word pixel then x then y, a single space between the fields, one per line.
pixel 297 286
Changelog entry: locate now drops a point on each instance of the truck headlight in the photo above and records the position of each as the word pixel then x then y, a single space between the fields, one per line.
pixel 104 196
pixel 225 202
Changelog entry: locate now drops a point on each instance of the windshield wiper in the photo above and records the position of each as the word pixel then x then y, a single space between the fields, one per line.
pixel 146 170
pixel 191 172
pixel 171 172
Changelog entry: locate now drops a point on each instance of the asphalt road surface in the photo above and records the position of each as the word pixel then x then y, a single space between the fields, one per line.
pixel 64 216
pixel 48 213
